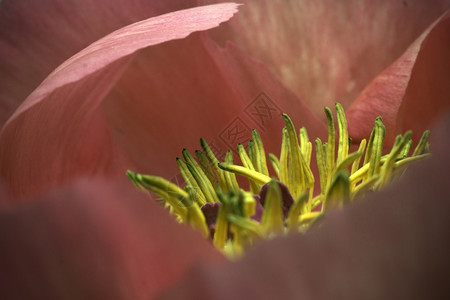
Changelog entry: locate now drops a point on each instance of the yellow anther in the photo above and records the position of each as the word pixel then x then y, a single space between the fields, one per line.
pixel 214 161
pixel 321 165
pixel 295 211
pixel 375 148
pixel 166 190
pixel 299 174
pixel 259 154
pixel 422 145
pixel 284 176
pixel 230 178
pixel 338 193
pixel 388 166
pixel 247 163
pixel 195 217
pixel 272 218
pixel 275 163
pixel 206 167
pixel 251 174
pixel 361 148
pixel 343 134
pixel 331 144
pixel 190 180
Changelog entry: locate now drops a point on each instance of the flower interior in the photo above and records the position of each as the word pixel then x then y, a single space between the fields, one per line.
pixel 235 219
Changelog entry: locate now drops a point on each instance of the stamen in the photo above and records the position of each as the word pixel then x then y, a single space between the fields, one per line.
pixel 202 181
pixel 299 175
pixel 234 220
pixel 190 180
pixel 206 167
pixel 387 168
pixel 250 174
pixel 195 216
pixel 258 155
pixel 338 193
pixel 230 178
pixel 343 134
pixel 275 164
pixel 423 145
pixel 295 211
pixel 215 164
pixel 272 219
pixel 255 186
pixel 375 147
pixel 330 148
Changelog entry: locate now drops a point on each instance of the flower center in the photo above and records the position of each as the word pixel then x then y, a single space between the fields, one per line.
pixel 234 219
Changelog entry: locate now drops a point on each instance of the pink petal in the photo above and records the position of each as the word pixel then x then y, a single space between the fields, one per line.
pixel 428 95
pixel 328 51
pixel 417 80
pixel 213 94
pixel 165 99
pixel 128 40
pixel 392 245
pixel 95 240
pixel 4 197
pixel 59 132
pixel 37 36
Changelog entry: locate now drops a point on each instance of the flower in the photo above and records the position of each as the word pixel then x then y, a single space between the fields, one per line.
pixel 213 202
pixel 105 116
pixel 392 245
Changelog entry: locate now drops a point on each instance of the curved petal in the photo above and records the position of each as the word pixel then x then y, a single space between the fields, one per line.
pixel 394 244
pixel 38 35
pixel 59 132
pixel 95 240
pixel 327 51
pixel 418 80
pixel 428 95
pixel 128 40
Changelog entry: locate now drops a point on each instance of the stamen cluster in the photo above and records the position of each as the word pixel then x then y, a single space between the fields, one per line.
pixel 234 219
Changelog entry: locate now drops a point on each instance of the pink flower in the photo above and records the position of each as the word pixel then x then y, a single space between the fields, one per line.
pixel 136 97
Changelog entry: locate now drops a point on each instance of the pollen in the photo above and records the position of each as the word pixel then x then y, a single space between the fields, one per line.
pixel 235 219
